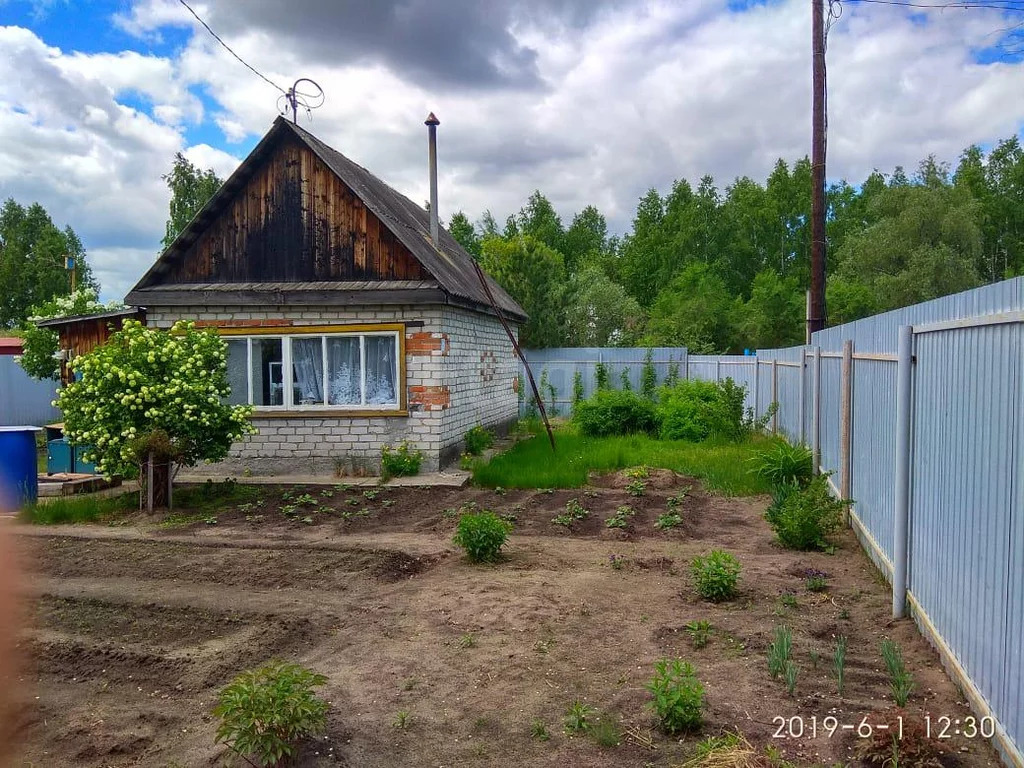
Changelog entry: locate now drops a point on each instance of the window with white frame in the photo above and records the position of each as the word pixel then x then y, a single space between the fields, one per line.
pixel 327 370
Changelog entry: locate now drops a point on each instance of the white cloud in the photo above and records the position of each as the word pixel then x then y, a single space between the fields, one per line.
pixel 641 95
pixel 205 156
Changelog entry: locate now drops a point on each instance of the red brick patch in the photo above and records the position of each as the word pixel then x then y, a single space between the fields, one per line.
pixel 422 344
pixel 431 398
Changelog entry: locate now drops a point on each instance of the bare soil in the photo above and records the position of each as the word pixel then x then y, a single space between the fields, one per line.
pixel 136 627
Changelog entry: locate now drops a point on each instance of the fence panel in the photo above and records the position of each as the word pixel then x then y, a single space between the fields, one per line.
pixel 23 400
pixel 873 448
pixel 558 367
pixel 964 506
pixel 739 368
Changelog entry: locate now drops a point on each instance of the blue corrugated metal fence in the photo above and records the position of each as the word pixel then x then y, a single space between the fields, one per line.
pixel 23 400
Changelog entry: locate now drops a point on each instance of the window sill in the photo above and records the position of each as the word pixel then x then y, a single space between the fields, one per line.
pixel 326 413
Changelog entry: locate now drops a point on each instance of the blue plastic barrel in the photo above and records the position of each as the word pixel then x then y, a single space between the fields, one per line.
pixel 19 480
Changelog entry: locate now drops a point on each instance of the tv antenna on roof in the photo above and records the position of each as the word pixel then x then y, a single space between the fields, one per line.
pixel 295 98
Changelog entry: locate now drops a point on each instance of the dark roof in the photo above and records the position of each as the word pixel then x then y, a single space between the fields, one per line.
pixel 449 263
pixel 111 314
pixel 10 345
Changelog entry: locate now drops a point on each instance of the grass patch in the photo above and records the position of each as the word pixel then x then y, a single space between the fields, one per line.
pixel 530 464
pixel 210 496
pixel 197 503
pixel 78 509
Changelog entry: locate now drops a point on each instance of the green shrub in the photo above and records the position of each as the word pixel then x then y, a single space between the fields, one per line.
pixel 695 410
pixel 783 464
pixel 614 412
pixel 478 439
pixel 264 711
pixel 482 534
pixel 804 518
pixel 401 461
pixel 715 575
pixel 678 696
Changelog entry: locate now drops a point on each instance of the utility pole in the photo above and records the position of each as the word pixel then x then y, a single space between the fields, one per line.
pixel 817 313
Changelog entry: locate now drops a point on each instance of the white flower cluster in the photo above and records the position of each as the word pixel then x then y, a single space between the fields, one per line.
pixel 146 380
pixel 84 301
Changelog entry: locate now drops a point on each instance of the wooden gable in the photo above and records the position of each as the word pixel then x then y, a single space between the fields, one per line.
pixel 294 220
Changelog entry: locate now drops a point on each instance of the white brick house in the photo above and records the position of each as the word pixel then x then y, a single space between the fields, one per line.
pixel 348 328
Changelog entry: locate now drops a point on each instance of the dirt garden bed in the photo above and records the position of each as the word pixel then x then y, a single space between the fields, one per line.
pixel 136 626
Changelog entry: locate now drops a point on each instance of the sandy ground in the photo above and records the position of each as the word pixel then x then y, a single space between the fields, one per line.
pixel 135 628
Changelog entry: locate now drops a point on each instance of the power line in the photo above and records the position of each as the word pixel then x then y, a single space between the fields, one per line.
pixel 995 5
pixel 228 49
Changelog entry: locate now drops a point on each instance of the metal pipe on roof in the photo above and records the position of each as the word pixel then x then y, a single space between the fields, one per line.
pixel 432 122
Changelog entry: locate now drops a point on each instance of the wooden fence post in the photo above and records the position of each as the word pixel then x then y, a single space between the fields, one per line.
pixel 846 421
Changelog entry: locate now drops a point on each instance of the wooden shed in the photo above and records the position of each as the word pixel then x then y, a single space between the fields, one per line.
pixel 81 334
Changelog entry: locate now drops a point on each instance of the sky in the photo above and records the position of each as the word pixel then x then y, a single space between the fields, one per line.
pixel 590 101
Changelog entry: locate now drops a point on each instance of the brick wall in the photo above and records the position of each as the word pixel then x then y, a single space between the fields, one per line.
pixel 459 373
pixel 482 370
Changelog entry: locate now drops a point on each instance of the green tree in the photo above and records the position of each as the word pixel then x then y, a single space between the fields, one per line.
pixel 461 228
pixel 153 395
pixel 774 314
pixel 539 220
pixel 586 239
pixel 599 312
pixel 534 275
pixel 643 254
pixel 695 310
pixel 32 266
pixel 925 242
pixel 190 189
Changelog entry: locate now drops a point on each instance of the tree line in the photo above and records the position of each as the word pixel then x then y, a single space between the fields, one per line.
pixel 715 270
pixel 726 270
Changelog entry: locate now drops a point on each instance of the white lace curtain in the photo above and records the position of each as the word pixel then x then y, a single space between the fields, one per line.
pixel 381 370
pixel 308 367
pixel 343 380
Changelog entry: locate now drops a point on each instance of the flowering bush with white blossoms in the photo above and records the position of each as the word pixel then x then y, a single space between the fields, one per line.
pixel 147 387
pixel 40 344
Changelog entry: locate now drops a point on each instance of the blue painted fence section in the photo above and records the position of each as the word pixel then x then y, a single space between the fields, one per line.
pixel 966 530
pixel 23 400
pixel 558 366
pixel 966 540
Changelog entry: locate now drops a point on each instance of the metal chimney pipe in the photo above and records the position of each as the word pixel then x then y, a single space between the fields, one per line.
pixel 432 122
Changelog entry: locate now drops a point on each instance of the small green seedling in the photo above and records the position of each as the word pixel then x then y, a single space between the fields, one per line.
pixel 667 521
pixel 699 632
pixel 636 488
pixel 839 663
pixel 780 651
pixel 578 717
pixel 621 517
